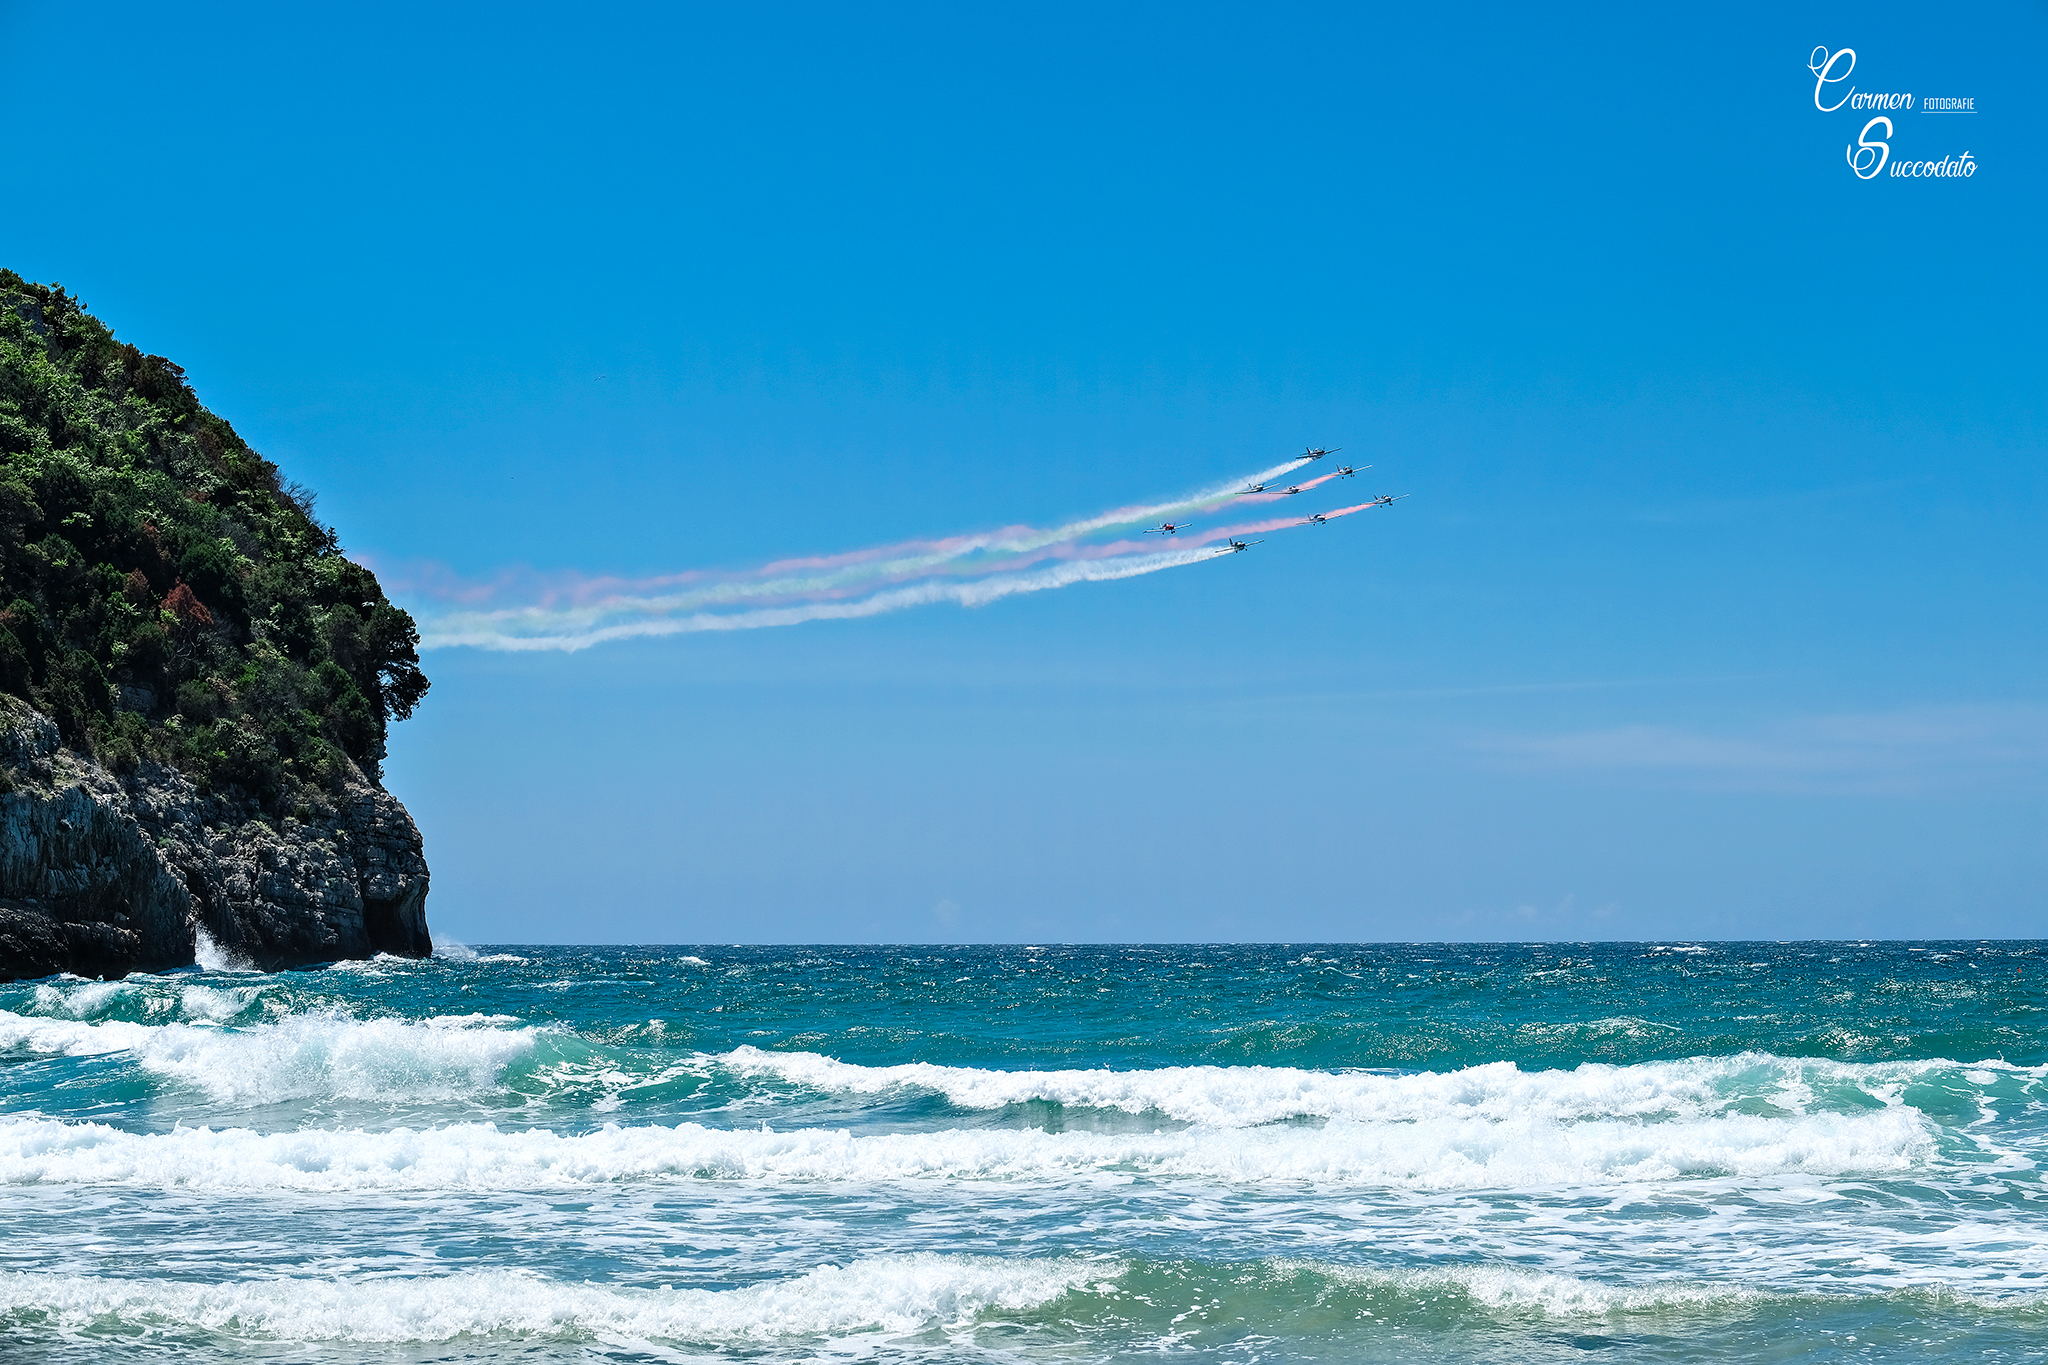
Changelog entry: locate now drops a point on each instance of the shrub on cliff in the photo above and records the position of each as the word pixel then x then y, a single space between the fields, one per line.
pixel 166 595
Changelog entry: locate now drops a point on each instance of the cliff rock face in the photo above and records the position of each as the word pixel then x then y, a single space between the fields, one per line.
pixel 196 684
pixel 102 874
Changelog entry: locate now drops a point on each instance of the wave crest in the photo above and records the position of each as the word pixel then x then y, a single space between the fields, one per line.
pixel 306 1056
pixel 1249 1096
pixel 888 1294
pixel 1443 1154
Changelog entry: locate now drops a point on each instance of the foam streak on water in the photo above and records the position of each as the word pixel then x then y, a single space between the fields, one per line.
pixel 1399 1153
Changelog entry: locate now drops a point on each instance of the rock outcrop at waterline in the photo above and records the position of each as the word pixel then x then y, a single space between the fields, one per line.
pixel 102 874
pixel 196 683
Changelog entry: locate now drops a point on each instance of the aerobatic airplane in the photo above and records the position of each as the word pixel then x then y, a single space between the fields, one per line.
pixel 1254 488
pixel 1347 471
pixel 1385 501
pixel 1237 547
pixel 1288 492
pixel 1316 519
pixel 1317 452
pixel 1168 528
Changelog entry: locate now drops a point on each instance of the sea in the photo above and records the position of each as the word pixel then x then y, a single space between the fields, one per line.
pixel 1720 1152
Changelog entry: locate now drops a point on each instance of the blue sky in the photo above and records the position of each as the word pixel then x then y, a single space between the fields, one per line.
pixel 1717 609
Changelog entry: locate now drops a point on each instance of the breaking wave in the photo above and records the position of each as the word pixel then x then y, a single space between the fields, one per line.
pixel 236 1045
pixel 1439 1154
pixel 1249 1096
pixel 876 1299
pixel 307 1056
pixel 516 1160
pixel 888 1294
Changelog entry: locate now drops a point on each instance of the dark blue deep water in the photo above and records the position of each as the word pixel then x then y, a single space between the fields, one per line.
pixel 1727 1152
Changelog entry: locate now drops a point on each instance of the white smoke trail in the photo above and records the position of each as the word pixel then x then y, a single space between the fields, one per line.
pixel 577 629
pixel 575 613
pixel 834 573
pixel 1131 516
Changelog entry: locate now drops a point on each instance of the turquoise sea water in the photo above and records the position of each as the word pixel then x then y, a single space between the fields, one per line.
pixel 1728 1152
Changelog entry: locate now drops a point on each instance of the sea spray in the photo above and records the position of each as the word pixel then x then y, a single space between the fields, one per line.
pixel 211 957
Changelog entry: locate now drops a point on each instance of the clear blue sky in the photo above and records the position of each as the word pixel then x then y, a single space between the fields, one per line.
pixel 1717 610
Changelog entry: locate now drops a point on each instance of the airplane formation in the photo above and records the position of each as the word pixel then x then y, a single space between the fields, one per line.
pixel 1235 546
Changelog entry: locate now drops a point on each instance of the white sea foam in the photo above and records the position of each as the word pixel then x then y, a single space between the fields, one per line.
pixel 449 950
pixel 1247 1096
pixel 1439 1154
pixel 886 1294
pixel 1512 1289
pixel 306 1056
pixel 837 1308
pixel 84 1001
pixel 330 1054
pixel 215 1003
pixel 152 994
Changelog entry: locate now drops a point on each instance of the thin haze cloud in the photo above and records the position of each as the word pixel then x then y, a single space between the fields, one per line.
pixel 1892 752
pixel 573 612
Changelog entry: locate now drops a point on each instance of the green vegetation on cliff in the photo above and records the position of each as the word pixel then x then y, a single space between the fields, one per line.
pixel 162 593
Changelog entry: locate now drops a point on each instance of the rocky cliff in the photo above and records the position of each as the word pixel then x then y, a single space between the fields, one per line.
pixel 196 683
pixel 103 874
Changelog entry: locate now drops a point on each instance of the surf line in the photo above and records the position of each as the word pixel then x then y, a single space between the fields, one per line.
pixel 574 612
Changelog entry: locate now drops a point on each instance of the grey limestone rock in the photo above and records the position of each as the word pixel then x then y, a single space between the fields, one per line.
pixel 103 874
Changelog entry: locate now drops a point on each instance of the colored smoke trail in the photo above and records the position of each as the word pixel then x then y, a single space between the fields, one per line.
pixel 582 629
pixel 1292 490
pixel 573 613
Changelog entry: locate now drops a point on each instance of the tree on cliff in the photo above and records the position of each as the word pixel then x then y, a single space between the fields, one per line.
pixel 163 595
